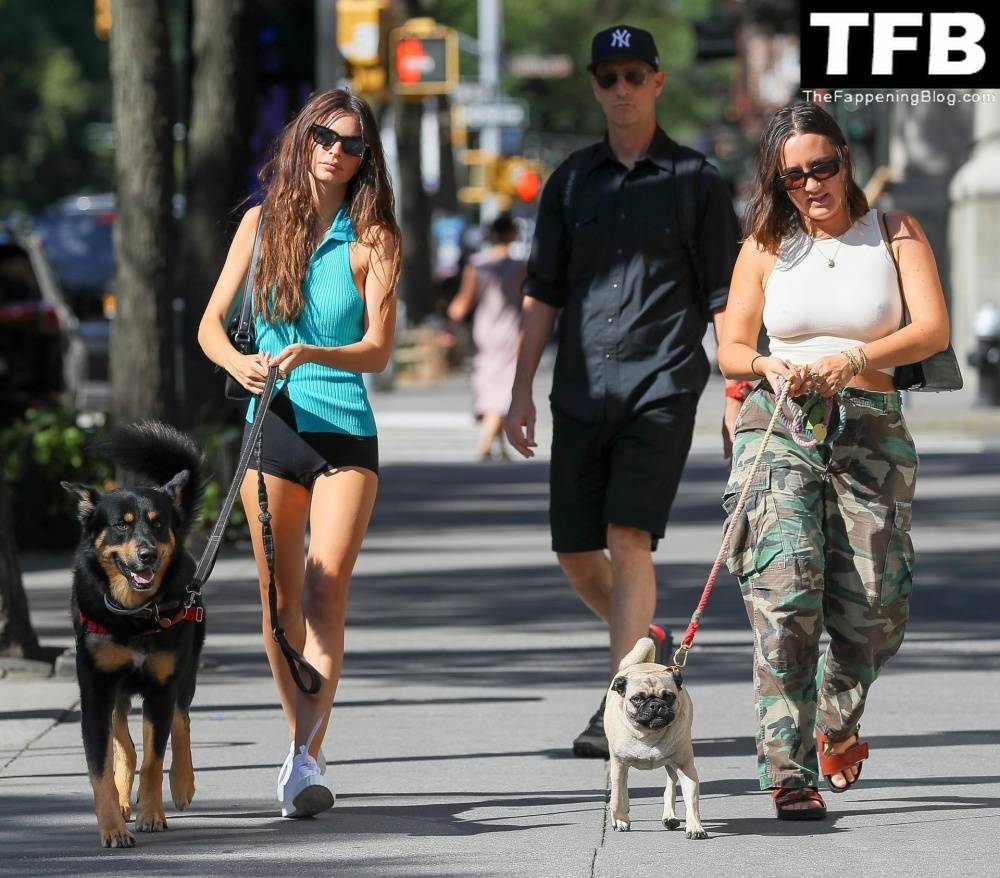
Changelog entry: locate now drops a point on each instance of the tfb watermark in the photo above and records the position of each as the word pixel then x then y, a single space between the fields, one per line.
pixel 914 44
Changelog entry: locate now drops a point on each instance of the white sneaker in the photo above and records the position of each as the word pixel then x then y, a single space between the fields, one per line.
pixel 306 791
pixel 286 769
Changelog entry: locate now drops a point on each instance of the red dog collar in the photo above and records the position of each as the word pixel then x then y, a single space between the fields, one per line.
pixel 186 614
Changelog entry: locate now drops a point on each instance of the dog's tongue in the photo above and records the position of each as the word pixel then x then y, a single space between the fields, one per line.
pixel 142 577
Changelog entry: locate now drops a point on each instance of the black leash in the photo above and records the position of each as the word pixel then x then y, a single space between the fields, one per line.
pixel 207 562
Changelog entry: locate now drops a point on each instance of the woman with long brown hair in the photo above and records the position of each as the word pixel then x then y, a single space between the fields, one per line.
pixel 825 538
pixel 324 301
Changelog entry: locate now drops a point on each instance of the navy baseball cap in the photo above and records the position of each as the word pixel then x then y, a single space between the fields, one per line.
pixel 623 41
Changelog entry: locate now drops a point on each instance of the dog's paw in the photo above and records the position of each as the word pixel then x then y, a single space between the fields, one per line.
pixel 119 837
pixel 698 833
pixel 126 809
pixel 620 825
pixel 671 823
pixel 181 790
pixel 150 821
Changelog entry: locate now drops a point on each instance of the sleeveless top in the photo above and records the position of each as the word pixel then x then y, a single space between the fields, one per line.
pixel 812 310
pixel 324 399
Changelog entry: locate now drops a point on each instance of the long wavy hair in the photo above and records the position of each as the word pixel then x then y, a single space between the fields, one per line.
pixel 771 215
pixel 291 229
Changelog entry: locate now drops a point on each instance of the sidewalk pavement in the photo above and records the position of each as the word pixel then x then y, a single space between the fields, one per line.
pixel 470 667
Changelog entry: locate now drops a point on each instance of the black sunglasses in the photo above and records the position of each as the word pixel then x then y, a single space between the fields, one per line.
pixel 633 76
pixel 820 171
pixel 353 145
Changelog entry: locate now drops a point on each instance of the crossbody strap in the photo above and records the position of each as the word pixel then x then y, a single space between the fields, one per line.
pixel 246 306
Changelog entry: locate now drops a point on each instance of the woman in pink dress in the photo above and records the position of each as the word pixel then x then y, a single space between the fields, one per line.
pixel 491 284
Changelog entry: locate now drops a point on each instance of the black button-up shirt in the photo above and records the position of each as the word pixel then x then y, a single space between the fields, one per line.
pixel 613 258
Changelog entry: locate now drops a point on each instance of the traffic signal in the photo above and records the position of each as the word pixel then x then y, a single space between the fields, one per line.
pixel 362 38
pixel 423 58
pixel 102 18
pixel 516 177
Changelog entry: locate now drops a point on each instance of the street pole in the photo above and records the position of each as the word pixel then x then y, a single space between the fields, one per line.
pixel 330 70
pixel 489 80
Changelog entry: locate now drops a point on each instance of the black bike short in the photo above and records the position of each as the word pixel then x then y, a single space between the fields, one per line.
pixel 303 457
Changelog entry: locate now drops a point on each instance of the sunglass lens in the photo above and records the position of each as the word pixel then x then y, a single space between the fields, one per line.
pixel 793 181
pixel 323 136
pixel 354 146
pixel 826 170
pixel 635 77
pixel 606 80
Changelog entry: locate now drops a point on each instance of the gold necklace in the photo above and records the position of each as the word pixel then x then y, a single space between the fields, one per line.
pixel 831 261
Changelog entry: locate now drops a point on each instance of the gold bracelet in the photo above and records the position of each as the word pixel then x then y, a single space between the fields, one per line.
pixel 853 361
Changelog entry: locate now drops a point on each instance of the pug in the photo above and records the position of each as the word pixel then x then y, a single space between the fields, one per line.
pixel 647 718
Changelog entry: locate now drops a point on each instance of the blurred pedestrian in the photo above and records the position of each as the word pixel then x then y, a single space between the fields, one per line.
pixel 324 301
pixel 634 245
pixel 826 541
pixel 491 291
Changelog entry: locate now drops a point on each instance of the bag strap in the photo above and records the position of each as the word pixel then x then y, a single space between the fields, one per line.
pixel 883 231
pixel 687 167
pixel 246 306
pixel 576 163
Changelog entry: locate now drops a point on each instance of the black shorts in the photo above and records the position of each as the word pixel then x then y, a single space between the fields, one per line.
pixel 623 472
pixel 303 457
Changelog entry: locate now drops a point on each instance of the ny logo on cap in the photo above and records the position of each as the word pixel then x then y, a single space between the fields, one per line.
pixel 620 39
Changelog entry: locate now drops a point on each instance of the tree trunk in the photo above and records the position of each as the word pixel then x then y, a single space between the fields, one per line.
pixel 415 284
pixel 17 637
pixel 142 353
pixel 217 165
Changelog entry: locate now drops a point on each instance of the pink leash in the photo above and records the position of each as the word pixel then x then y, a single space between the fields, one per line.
pixel 680 656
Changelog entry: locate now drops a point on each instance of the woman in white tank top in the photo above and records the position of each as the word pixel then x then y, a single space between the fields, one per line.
pixel 824 541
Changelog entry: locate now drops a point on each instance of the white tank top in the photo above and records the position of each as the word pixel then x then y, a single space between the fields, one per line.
pixel 812 310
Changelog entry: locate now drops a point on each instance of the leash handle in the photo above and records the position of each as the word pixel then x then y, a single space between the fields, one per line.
pixel 680 656
pixel 211 551
pixel 294 658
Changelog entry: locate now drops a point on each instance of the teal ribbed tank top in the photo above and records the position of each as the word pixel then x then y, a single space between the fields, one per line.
pixel 324 399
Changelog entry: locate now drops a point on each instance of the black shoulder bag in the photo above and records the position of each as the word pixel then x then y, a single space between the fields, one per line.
pixel 939 371
pixel 242 332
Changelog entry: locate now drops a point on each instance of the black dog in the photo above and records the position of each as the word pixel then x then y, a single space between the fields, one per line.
pixel 135 632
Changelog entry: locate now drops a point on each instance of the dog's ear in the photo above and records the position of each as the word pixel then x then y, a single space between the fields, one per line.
pixel 678 679
pixel 176 485
pixel 618 685
pixel 87 498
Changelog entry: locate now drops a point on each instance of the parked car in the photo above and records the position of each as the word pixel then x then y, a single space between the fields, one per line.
pixel 42 358
pixel 76 235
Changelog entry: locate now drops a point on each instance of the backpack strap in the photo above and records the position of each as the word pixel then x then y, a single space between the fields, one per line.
pixel 687 165
pixel 575 164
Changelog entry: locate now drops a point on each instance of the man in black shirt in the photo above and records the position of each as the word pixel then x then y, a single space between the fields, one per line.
pixel 635 243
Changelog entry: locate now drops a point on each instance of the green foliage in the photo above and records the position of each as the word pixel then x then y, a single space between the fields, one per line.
pixel 46 446
pixel 219 447
pixel 695 95
pixel 54 84
pixel 41 449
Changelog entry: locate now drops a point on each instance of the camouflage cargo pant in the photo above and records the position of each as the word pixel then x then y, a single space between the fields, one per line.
pixel 824 542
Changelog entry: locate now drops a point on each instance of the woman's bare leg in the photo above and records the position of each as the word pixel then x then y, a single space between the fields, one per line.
pixel 342 502
pixel 288 503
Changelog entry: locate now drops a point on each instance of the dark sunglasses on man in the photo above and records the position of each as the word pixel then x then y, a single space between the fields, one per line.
pixel 797 179
pixel 633 76
pixel 327 138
